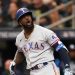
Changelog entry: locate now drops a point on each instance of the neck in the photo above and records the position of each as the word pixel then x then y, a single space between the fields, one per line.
pixel 28 31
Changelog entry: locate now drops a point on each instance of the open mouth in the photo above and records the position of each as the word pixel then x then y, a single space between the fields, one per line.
pixel 28 23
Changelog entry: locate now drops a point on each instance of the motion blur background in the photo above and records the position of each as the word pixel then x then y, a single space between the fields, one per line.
pixel 58 15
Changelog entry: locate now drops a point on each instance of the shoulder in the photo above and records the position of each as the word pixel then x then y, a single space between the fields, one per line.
pixel 19 37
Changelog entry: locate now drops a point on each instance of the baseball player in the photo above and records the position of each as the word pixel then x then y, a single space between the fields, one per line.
pixel 37 43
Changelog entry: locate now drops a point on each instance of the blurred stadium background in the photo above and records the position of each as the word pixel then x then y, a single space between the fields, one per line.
pixel 58 15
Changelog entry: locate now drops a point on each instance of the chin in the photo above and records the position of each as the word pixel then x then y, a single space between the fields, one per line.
pixel 28 27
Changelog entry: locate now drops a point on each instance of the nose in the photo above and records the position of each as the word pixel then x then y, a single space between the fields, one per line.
pixel 28 18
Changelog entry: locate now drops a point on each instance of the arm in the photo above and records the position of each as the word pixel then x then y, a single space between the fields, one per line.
pixel 63 52
pixel 19 57
pixel 58 46
pixel 64 55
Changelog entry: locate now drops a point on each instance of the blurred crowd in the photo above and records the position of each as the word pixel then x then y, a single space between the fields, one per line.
pixel 5 71
pixel 8 10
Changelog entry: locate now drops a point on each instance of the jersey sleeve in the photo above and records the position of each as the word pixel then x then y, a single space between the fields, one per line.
pixel 17 45
pixel 52 38
pixel 17 41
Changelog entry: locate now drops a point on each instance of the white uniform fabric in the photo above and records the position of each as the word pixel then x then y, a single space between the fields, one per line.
pixel 37 48
pixel 49 69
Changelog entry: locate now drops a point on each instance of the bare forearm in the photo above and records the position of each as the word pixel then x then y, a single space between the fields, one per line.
pixel 19 57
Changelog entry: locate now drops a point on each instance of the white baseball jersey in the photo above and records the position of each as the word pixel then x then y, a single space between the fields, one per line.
pixel 37 48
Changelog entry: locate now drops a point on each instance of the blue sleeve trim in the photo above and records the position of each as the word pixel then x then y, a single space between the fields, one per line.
pixel 59 46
